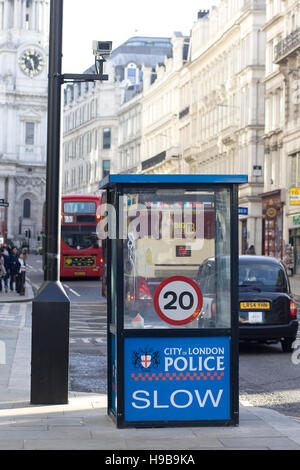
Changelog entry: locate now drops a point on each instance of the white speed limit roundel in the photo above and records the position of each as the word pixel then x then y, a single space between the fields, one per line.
pixel 178 300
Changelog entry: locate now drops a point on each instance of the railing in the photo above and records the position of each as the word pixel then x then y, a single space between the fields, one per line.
pixel 160 157
pixel 287 44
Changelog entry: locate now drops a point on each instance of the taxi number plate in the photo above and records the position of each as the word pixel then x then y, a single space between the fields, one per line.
pixel 255 317
pixel 255 305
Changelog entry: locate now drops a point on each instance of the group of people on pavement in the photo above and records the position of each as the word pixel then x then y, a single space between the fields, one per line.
pixel 12 269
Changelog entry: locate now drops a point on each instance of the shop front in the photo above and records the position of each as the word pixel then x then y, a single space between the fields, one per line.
pixel 294 241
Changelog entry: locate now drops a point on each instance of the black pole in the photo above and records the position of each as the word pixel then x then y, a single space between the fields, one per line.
pixel 53 143
pixel 51 306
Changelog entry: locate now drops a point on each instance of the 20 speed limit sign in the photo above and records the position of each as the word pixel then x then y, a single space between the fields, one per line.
pixel 178 300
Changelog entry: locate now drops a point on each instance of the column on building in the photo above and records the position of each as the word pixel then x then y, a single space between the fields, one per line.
pixel 6 13
pixel 11 219
pixel 16 14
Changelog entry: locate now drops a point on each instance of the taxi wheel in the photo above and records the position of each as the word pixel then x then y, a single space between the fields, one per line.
pixel 287 344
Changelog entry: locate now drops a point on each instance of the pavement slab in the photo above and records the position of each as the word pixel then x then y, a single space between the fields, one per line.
pixel 83 424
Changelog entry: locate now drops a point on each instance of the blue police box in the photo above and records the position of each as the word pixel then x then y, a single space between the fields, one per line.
pixel 170 248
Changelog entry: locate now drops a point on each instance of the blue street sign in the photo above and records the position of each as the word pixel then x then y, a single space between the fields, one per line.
pixel 177 378
pixel 243 210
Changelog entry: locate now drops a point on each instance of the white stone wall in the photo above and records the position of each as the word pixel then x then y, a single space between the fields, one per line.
pixel 85 118
pixel 222 132
pixel 282 84
pixel 23 99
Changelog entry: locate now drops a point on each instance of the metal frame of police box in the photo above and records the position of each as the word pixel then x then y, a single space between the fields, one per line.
pixel 117 335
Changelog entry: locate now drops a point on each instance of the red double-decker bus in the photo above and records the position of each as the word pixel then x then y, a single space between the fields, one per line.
pixel 81 249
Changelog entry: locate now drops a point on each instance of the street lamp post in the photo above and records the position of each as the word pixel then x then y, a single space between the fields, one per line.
pixel 51 306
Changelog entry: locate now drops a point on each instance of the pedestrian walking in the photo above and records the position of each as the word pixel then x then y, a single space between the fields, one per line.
pixel 13 268
pixel 3 272
pixel 20 284
pixel 5 257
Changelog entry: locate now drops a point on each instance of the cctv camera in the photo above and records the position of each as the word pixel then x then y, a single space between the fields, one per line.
pixel 102 48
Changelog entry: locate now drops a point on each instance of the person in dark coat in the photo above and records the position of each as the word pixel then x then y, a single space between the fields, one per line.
pixel 5 257
pixel 2 269
pixel 13 267
pixel 20 284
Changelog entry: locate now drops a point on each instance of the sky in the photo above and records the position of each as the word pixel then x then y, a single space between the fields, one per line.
pixel 117 21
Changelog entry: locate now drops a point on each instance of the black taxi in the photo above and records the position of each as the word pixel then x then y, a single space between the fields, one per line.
pixel 267 310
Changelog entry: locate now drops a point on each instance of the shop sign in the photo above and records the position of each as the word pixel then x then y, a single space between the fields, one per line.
pixel 294 196
pixel 177 378
pixel 296 220
pixel 243 210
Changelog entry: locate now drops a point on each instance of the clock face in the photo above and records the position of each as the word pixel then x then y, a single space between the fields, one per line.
pixel 31 62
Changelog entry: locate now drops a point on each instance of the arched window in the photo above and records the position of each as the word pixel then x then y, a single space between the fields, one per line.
pixel 26 208
pixel 132 73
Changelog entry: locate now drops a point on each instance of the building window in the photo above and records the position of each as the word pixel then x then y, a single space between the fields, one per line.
pixel 105 168
pixel 295 170
pixel 26 22
pixel 106 138
pixel 29 133
pixel 26 208
pixel 132 74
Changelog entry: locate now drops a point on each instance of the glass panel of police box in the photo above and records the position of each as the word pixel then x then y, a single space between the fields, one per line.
pixel 176 248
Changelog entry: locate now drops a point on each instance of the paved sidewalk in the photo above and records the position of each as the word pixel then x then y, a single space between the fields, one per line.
pixel 83 424
pixel 15 297
pixel 295 284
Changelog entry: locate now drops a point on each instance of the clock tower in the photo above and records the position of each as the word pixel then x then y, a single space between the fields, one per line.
pixel 24 36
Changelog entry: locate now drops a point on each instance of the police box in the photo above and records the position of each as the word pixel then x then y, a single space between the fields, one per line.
pixel 172 328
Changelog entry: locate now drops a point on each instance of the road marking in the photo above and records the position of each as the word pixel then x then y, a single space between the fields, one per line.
pixel 23 308
pixel 4 310
pixel 88 340
pixel 73 291
pixel 245 402
pixel 14 313
pixel 35 286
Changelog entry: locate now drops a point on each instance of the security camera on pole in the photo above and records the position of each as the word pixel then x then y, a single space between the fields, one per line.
pixel 51 306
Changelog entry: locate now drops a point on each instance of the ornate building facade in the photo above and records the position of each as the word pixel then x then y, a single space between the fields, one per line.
pixel 24 30
pixel 223 125
pixel 102 121
pixel 281 197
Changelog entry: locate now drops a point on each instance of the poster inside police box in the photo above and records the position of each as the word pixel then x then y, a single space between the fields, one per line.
pixel 177 379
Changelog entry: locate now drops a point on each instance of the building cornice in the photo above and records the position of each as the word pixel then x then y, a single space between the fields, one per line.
pixel 272 21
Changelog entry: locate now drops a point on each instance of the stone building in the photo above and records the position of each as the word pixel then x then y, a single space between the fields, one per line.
pixel 90 133
pixel 222 103
pixel 24 34
pixel 281 197
pixel 202 109
pixel 97 134
pixel 161 145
